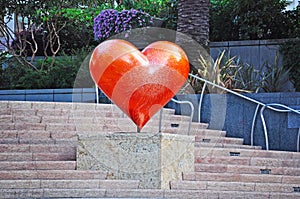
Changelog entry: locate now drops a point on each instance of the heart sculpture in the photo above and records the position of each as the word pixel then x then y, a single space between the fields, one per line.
pixel 139 83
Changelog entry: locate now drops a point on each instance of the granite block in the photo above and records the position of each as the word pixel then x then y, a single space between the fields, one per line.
pixel 153 158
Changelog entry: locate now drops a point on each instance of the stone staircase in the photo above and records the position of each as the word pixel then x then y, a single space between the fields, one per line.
pixel 38 143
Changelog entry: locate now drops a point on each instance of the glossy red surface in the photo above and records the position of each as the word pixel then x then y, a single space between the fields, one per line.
pixel 139 83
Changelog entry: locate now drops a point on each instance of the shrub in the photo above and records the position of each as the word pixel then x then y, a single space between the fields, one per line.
pixel 78 31
pixel 10 71
pixel 252 19
pixel 291 60
pixel 163 9
pixel 110 22
pixel 276 77
pixel 59 75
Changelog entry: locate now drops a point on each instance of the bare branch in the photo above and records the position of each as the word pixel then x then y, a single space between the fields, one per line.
pixel 35 48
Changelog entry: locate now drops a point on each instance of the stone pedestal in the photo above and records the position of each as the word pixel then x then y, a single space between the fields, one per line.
pixel 153 158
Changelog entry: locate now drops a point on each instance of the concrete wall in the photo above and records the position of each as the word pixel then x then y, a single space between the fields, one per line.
pixel 50 95
pixel 256 52
pixel 235 115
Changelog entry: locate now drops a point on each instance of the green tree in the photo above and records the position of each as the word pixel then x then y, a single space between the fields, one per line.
pixel 43 26
pixel 163 9
pixel 221 26
pixel 251 19
pixel 259 19
pixel 291 60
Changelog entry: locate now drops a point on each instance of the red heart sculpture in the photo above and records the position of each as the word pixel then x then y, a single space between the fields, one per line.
pixel 139 83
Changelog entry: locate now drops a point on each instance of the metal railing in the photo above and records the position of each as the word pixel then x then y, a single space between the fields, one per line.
pixel 192 111
pixel 273 106
pixel 282 109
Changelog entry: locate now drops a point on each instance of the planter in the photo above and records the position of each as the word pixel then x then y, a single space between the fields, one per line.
pixel 235 115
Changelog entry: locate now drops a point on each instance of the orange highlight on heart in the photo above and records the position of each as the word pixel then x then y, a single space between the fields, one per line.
pixel 139 83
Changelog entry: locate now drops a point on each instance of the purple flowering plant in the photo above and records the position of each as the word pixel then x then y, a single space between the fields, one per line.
pixel 110 22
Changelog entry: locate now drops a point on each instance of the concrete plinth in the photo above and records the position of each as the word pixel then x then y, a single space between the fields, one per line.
pixel 153 158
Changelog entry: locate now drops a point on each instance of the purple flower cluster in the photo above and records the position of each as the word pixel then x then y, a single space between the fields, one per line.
pixel 110 22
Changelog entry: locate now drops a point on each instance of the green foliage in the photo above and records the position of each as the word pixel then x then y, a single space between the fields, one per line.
pixel 78 31
pixel 10 71
pixel 164 9
pixel 252 19
pixel 222 27
pixel 153 7
pixel 291 60
pixel 293 22
pixel 59 75
pixel 66 24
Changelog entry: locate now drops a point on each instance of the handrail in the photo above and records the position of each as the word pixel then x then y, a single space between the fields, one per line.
pixel 192 111
pixel 298 141
pixel 226 89
pixel 253 124
pixel 271 106
pixel 200 101
pixel 285 110
pixel 97 93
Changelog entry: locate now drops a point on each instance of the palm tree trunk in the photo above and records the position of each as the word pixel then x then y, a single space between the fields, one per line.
pixel 193 19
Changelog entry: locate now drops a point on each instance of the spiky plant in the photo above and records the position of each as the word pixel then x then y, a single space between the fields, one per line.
pixel 214 72
pixel 276 77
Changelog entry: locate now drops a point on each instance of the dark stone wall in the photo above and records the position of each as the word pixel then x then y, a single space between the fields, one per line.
pixel 50 95
pixel 235 115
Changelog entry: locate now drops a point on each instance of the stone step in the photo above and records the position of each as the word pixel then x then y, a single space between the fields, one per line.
pixel 51 174
pixel 233 186
pixel 22 126
pixel 104 123
pixel 217 152
pixel 74 113
pixel 7 130
pixel 86 117
pixel 22 156
pixel 66 147
pixel 69 184
pixel 6 118
pixel 223 146
pixel 53 105
pixel 207 132
pixel 37 134
pixel 246 169
pixel 63 106
pixel 250 161
pixel 232 177
pixel 218 140
pixel 37 121
pixel 37 165
pixel 140 193
pixel 38 140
